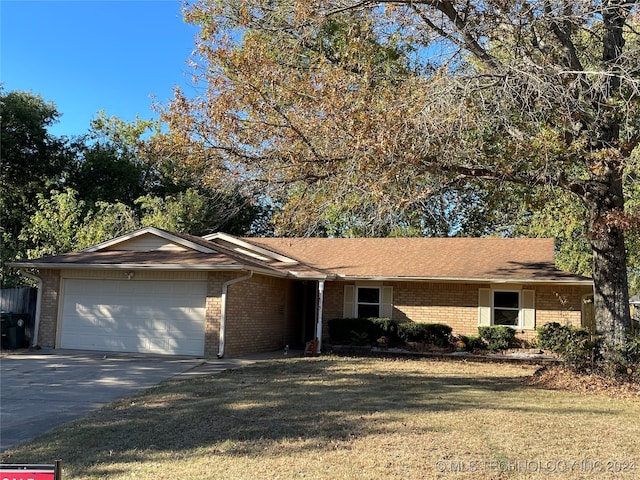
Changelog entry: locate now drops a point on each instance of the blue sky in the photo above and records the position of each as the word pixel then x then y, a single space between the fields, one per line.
pixel 91 55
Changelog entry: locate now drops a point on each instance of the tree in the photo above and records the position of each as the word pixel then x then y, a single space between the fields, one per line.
pixel 539 94
pixel 53 227
pixel 62 223
pixel 103 174
pixel 103 222
pixel 469 210
pixel 167 180
pixel 32 163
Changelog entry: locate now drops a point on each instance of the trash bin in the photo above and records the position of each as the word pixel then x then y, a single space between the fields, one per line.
pixel 13 330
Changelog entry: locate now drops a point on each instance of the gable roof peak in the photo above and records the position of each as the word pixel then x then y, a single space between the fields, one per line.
pixel 170 237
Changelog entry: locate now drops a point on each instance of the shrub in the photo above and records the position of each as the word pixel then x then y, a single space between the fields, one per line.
pixel 573 344
pixel 436 334
pixel 387 327
pixel 553 336
pixel 409 332
pixel 497 337
pixel 360 338
pixel 473 342
pixel 629 355
pixel 340 329
pixel 361 331
pixel 633 347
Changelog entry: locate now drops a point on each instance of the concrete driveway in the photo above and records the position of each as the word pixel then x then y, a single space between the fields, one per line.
pixel 41 390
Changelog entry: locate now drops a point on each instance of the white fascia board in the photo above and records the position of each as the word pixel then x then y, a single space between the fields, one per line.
pixel 142 266
pixel 153 231
pixel 243 245
pixel 309 276
pixel 122 266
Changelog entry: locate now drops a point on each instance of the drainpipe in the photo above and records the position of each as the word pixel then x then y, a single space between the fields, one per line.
pixel 223 310
pixel 319 323
pixel 36 325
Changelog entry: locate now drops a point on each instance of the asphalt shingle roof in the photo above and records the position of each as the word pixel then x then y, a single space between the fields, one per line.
pixel 474 259
pixel 444 258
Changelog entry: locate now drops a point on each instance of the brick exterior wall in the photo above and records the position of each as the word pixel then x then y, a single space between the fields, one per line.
pixel 333 303
pixel 263 314
pixel 456 304
pixel 214 310
pixel 49 308
pixel 259 315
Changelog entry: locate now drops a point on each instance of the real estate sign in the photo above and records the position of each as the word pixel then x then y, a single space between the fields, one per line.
pixel 31 472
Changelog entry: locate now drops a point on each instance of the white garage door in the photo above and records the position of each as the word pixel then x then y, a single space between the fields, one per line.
pixel 134 316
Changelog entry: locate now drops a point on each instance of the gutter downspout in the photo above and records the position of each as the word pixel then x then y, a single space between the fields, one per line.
pixel 36 326
pixel 319 322
pixel 223 310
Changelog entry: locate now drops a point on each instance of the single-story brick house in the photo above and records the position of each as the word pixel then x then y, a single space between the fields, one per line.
pixel 163 292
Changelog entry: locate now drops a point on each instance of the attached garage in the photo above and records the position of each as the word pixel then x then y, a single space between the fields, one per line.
pixel 145 316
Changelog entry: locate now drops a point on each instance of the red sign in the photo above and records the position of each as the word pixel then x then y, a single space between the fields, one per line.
pixel 13 474
pixel 30 472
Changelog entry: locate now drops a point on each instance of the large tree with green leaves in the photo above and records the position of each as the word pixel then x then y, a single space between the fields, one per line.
pixel 59 195
pixel 391 101
pixel 32 162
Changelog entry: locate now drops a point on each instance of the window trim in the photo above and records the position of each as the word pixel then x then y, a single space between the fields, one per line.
pixel 519 309
pixel 358 303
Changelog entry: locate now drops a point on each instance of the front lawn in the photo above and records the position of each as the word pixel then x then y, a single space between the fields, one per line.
pixel 350 418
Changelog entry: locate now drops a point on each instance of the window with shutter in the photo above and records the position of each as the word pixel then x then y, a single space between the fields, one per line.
pixel 367 301
pixel 506 308
pixel 513 308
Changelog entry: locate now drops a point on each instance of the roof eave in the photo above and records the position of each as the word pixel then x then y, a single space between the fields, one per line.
pixel 124 266
pixel 243 244
pixel 158 267
pixel 564 281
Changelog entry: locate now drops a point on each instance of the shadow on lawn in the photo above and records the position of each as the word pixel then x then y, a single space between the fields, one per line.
pixel 302 402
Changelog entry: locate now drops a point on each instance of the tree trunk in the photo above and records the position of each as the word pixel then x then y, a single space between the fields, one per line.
pixel 611 297
pixel 605 195
pixel 611 294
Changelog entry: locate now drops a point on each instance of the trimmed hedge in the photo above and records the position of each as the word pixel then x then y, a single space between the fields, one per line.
pixel 472 342
pixel 341 330
pixel 498 337
pixel 387 327
pixel 436 334
pixel 362 331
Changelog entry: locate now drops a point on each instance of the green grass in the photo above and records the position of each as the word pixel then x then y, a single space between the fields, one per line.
pixel 348 418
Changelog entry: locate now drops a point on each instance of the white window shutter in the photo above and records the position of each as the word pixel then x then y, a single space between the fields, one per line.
pixel 348 309
pixel 484 307
pixel 528 309
pixel 387 302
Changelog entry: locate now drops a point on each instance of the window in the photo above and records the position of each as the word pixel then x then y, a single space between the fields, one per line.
pixel 368 302
pixel 506 308
pixel 515 308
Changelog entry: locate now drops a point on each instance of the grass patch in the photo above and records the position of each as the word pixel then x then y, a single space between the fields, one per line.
pixel 349 418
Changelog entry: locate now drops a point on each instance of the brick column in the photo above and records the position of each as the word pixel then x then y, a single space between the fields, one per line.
pixel 49 308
